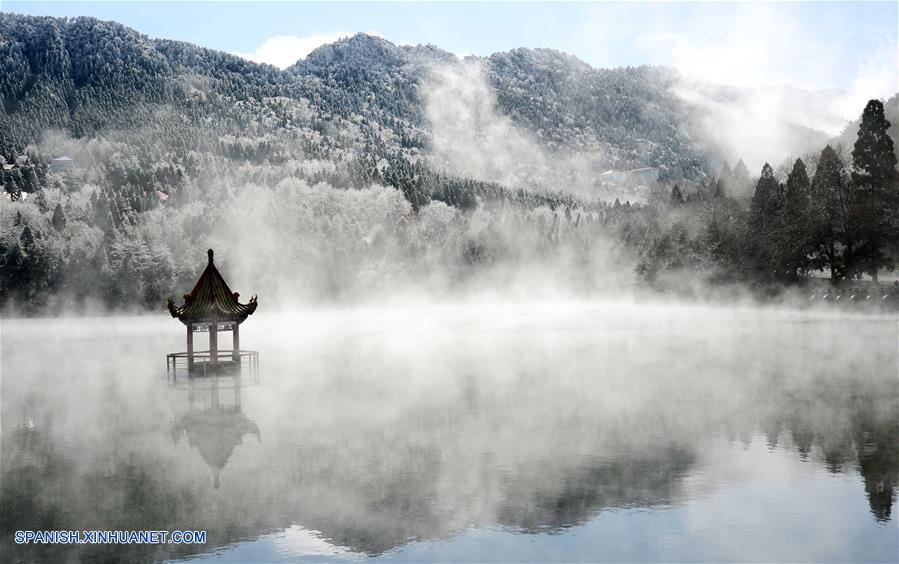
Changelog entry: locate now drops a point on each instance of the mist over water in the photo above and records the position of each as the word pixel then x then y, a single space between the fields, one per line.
pixel 562 430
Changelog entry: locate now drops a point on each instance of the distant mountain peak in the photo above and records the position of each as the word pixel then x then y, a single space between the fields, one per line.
pixel 364 50
pixel 356 48
pixel 546 55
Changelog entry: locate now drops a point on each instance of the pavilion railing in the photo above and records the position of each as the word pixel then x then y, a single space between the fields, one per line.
pixel 177 364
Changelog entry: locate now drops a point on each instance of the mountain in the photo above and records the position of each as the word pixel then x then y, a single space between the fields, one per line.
pixel 91 78
pixel 367 164
pixel 361 95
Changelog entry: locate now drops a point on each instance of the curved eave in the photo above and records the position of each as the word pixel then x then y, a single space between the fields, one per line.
pixel 237 312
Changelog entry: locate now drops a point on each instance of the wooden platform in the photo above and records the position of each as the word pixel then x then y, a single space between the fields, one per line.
pixel 177 364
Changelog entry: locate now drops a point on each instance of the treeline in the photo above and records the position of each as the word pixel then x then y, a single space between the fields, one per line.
pixel 25 174
pixel 123 231
pixel 841 218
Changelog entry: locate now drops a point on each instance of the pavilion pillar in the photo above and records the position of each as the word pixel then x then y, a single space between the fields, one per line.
pixel 215 393
pixel 190 346
pixel 237 392
pixel 213 343
pixel 235 354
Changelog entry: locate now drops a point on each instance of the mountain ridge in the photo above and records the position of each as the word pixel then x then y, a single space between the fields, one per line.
pixel 89 77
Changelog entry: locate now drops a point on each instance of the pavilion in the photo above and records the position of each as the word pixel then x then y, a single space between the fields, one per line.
pixel 212 307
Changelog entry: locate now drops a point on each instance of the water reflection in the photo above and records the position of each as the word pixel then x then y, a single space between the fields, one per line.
pixel 651 480
pixel 878 462
pixel 537 430
pixel 214 424
pixel 862 434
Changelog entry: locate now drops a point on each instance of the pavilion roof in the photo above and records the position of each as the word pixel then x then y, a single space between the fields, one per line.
pixel 215 433
pixel 211 300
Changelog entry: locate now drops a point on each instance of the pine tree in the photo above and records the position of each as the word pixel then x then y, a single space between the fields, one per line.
pixel 677 198
pixel 766 201
pixel 11 273
pixel 795 230
pixel 741 181
pixel 59 218
pixel 11 188
pixel 764 225
pixel 725 173
pixel 877 187
pixel 40 201
pixel 725 181
pixel 831 239
pixel 719 189
pixel 26 239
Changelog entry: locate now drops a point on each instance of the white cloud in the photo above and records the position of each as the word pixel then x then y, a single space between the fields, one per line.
pixel 762 44
pixel 285 50
pixel 785 68
pixel 877 77
pixel 750 45
pixel 755 45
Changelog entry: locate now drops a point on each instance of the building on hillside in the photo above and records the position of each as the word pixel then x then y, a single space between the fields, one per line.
pixel 645 176
pixel 61 164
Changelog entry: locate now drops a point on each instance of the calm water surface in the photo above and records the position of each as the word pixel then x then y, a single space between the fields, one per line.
pixel 504 433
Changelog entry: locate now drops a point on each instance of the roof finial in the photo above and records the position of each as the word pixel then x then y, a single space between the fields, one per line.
pixel 209 252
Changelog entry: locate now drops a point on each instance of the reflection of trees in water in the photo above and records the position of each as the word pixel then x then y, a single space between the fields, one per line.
pixel 30 467
pixel 650 481
pixel 877 447
pixel 871 446
pixel 46 488
pixel 376 487
pixel 376 509
pixel 845 424
pixel 124 483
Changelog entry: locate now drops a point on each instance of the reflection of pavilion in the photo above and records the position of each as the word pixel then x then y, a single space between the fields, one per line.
pixel 209 308
pixel 214 423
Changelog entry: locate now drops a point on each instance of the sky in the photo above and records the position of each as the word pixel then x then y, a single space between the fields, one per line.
pixel 813 45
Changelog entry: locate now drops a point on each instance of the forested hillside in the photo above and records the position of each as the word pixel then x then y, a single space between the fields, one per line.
pixel 339 176
pixel 88 77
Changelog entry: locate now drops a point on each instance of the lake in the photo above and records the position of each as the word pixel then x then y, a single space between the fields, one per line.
pixel 483 432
